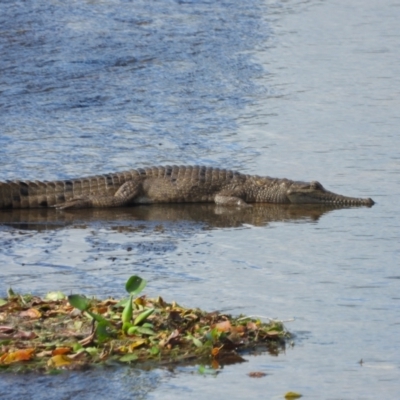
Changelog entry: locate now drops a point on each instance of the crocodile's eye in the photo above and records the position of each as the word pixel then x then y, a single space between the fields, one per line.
pixel 316 185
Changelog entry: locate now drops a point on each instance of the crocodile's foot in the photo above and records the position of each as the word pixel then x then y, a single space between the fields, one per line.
pixel 75 204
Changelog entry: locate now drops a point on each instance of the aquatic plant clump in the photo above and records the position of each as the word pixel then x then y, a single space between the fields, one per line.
pixel 75 332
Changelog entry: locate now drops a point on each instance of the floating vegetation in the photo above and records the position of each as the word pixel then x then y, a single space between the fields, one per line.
pixel 75 332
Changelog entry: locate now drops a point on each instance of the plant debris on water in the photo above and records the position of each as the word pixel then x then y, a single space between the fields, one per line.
pixel 75 332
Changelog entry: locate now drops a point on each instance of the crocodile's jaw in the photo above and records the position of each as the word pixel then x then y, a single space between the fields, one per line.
pixel 314 193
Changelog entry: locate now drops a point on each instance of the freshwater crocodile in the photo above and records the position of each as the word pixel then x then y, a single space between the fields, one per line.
pixel 168 184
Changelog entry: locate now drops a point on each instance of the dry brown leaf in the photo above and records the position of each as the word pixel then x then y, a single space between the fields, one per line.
pixel 257 374
pixel 32 313
pixel 6 329
pixel 44 353
pixel 87 340
pixel 24 335
pixel 252 326
pixel 173 339
pixel 273 333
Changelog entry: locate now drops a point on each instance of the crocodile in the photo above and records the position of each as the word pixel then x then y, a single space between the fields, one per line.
pixel 168 184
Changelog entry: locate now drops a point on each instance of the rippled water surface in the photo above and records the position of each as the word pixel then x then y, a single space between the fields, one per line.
pixel 298 89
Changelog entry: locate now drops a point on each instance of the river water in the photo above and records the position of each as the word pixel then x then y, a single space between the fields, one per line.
pixel 299 89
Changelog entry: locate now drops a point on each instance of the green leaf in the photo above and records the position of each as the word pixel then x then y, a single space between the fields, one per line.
pixel 102 333
pixel 197 342
pixel 144 331
pixel 93 351
pixel 2 302
pixel 121 303
pixel 203 370
pixel 10 293
pixel 76 347
pixel 129 357
pixel 128 311
pixel 131 330
pixel 154 350
pixel 142 317
pixel 98 318
pixel 135 284
pixel 78 301
pixel 53 296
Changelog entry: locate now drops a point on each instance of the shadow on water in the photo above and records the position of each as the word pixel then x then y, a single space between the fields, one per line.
pixel 203 216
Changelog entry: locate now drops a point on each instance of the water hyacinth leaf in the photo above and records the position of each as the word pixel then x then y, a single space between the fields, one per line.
pixel 135 284
pixel 143 316
pixel 197 342
pixel 102 333
pixel 78 301
pixel 128 358
pixel 128 311
pixel 77 347
pixel 98 318
pixel 131 330
pixel 144 331
pixel 121 303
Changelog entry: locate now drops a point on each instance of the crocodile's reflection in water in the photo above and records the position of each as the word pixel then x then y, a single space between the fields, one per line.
pixel 208 216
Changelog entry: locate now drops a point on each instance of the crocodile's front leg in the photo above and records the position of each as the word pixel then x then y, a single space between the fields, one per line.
pixel 122 197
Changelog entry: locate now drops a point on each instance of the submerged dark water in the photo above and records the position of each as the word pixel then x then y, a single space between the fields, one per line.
pixel 296 89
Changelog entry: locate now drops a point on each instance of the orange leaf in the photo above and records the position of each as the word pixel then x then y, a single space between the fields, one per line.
pixel 252 326
pixel 215 364
pixel 61 350
pixel 58 361
pixel 215 351
pixel 18 355
pixel 137 343
pixel 238 329
pixel 224 326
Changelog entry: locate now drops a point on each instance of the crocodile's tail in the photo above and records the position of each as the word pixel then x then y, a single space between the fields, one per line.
pixel 37 194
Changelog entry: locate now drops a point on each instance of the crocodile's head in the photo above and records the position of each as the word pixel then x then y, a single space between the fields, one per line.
pixel 314 193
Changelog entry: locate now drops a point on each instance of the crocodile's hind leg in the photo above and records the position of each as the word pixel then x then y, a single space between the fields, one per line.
pixel 223 200
pixel 122 197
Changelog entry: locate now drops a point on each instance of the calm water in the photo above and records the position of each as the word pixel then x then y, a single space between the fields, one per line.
pixel 298 89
